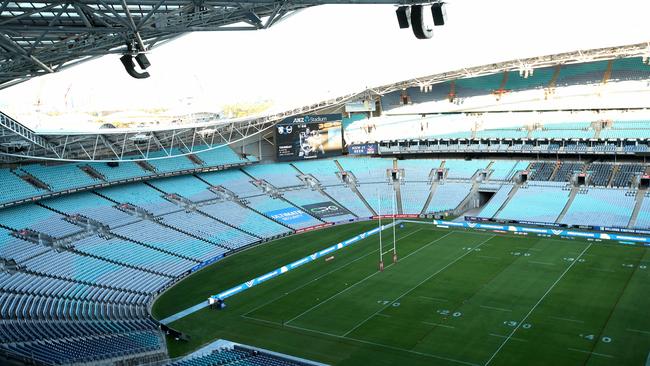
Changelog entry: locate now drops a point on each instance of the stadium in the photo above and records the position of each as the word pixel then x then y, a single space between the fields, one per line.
pixel 494 214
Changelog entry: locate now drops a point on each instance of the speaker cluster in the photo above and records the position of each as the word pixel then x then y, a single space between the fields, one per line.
pixel 129 65
pixel 414 16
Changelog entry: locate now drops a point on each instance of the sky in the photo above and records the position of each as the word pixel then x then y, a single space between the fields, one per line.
pixel 330 50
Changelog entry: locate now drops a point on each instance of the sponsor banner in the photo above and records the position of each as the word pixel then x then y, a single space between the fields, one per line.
pixel 206 263
pixel 288 216
pixel 315 227
pixel 398 216
pixel 545 232
pixel 325 209
pixel 322 253
pixel 624 230
pixel 362 149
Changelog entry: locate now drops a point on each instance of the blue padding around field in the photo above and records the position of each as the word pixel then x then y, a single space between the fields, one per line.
pixel 553 232
pixel 324 252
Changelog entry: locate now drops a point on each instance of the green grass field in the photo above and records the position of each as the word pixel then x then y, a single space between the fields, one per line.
pixel 454 297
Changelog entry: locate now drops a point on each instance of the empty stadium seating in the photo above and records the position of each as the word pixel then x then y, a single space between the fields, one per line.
pixel 532 203
pixel 600 207
pixel 15 188
pixel 448 196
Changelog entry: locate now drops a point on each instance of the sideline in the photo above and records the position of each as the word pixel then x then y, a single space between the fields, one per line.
pixel 256 281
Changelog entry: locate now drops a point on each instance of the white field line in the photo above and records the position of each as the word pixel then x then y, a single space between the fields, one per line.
pixel 589 352
pixel 537 304
pixel 638 331
pixel 433 298
pixel 488 257
pixel 416 286
pixel 494 308
pixel 325 274
pixel 567 319
pixel 502 336
pixel 542 263
pixel 362 341
pixel 386 316
pixel 365 279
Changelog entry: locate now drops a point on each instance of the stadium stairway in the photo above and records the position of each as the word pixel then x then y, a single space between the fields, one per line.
pixel 146 166
pixel 507 201
pixel 239 202
pixel 572 196
pixel 558 164
pixel 640 196
pixel 434 185
pixel 469 202
pixel 154 247
pixel 398 196
pixel 353 187
pixel 29 178
pixel 614 174
pixel 229 225
pixel 319 188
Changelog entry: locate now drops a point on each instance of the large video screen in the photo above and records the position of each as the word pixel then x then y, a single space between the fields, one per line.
pixel 309 137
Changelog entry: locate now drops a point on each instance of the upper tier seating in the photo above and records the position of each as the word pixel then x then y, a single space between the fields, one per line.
pixel 61 177
pixel 367 170
pixel 541 171
pixel 532 203
pixel 464 169
pixel 582 73
pixel 187 186
pixel 447 196
pixel 626 173
pixel 141 195
pixel 221 156
pixel 91 206
pixel 37 218
pixel 632 68
pixel 599 173
pixel 14 188
pixel 600 207
pixel 125 170
pixel 323 170
pixel 279 175
pixel 418 170
pixel 567 171
pixel 171 164
pixel 233 180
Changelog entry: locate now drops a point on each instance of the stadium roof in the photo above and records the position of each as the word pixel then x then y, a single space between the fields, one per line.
pixel 44 36
pixel 19 142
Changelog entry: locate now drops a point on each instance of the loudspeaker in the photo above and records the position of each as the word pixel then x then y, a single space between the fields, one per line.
pixel 129 66
pixel 420 29
pixel 142 61
pixel 439 14
pixel 403 14
pixel 113 164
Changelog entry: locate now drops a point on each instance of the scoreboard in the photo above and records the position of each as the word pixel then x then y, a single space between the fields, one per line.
pixel 309 137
